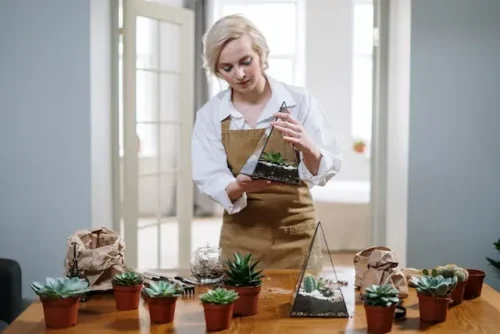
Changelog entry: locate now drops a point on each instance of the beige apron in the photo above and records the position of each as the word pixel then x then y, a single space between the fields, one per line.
pixel 278 224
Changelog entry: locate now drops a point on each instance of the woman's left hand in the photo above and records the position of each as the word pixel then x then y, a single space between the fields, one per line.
pixel 293 132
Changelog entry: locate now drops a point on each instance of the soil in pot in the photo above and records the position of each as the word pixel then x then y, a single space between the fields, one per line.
pixel 127 297
pixel 277 172
pixel 457 295
pixel 162 310
pixel 379 319
pixel 474 284
pixel 248 302
pixel 218 317
pixel 433 309
pixel 60 313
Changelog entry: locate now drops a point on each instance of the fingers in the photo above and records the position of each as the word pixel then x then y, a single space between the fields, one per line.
pixel 288 132
pixel 286 117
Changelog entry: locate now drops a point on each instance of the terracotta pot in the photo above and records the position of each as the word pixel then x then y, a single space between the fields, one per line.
pixel 433 309
pixel 161 310
pixel 218 317
pixel 457 295
pixel 60 313
pixel 379 318
pixel 127 297
pixel 474 284
pixel 248 301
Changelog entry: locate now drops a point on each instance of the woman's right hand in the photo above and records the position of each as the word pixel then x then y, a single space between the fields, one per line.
pixel 245 184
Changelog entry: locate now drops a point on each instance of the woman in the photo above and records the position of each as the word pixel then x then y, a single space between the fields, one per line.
pixel 273 221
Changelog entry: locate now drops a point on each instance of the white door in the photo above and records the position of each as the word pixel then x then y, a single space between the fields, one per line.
pixel 158 75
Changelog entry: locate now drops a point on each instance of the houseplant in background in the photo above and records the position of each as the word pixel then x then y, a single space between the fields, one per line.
pixel 127 288
pixel 218 306
pixel 60 298
pixel 242 277
pixel 161 297
pixel 434 296
pixel 380 303
pixel 449 271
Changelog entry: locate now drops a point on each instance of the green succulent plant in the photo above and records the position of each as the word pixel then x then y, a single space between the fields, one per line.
pixel 310 283
pixel 241 271
pixel 61 287
pixel 163 289
pixel 492 262
pixel 436 286
pixel 127 278
pixel 219 296
pixel 448 271
pixel 273 157
pixel 381 295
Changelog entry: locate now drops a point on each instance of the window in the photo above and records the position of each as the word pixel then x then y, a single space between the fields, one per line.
pixel 282 22
pixel 362 70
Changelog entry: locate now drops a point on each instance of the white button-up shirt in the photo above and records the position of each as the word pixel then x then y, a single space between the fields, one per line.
pixel 210 169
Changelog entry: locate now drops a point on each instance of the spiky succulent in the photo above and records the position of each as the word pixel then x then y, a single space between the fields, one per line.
pixel 273 157
pixel 61 287
pixel 219 296
pixel 163 289
pixel 448 271
pixel 381 295
pixel 436 286
pixel 241 271
pixel 127 278
pixel 492 262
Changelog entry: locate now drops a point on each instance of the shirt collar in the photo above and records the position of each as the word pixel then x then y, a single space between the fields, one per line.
pixel 279 94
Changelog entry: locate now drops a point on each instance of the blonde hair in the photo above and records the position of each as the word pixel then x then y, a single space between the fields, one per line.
pixel 223 31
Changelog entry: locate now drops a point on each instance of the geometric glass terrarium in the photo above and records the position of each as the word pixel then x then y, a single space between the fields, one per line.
pixel 318 292
pixel 270 163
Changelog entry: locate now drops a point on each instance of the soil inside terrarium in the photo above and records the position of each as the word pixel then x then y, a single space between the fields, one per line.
pixel 277 172
pixel 310 306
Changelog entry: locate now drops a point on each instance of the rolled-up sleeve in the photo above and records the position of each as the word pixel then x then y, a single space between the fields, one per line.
pixel 320 129
pixel 209 163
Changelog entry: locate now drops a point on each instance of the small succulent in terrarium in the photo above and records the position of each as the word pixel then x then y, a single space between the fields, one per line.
pixel 381 295
pixel 207 264
pixel 127 278
pixel 273 157
pixel 241 271
pixel 219 296
pixel 436 286
pixel 61 287
pixel 448 271
pixel 318 286
pixel 163 289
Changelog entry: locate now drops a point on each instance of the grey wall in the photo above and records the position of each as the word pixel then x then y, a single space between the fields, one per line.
pixel 454 160
pixel 45 166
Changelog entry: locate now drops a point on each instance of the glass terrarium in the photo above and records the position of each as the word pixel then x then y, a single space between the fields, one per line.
pixel 207 264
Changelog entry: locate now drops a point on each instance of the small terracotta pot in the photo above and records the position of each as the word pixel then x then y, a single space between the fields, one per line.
pixel 248 301
pixel 60 313
pixel 379 319
pixel 457 295
pixel 474 284
pixel 218 317
pixel 127 297
pixel 433 309
pixel 161 310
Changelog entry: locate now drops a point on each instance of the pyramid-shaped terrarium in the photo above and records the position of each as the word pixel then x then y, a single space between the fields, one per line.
pixel 318 291
pixel 273 158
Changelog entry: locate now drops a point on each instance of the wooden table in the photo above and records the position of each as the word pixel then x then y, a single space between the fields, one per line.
pixel 99 316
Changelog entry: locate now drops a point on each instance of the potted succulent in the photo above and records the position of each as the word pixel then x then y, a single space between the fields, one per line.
pixel 434 296
pixel 161 297
pixel 242 277
pixel 127 288
pixel 60 298
pixel 380 302
pixel 218 306
pixel 448 271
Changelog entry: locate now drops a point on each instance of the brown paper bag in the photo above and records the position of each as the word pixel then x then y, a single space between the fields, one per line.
pixel 100 254
pixel 379 265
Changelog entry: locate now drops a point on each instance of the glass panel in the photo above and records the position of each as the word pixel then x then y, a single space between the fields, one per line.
pixel 169 248
pixel 267 17
pixel 281 69
pixel 169 147
pixel 170 47
pixel 147 244
pixel 167 195
pixel 169 97
pixel 146 96
pixel 148 197
pixel 147 43
pixel 147 157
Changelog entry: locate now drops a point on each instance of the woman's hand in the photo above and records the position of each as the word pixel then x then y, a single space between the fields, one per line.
pixel 245 184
